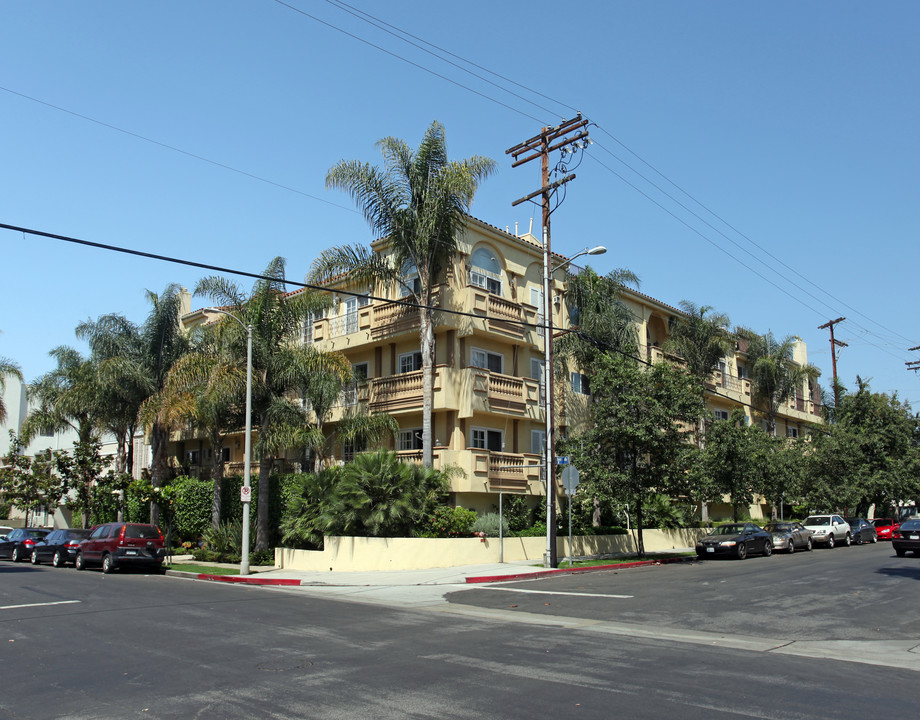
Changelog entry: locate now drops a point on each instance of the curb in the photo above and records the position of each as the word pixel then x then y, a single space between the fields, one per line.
pixel 573 571
pixel 245 580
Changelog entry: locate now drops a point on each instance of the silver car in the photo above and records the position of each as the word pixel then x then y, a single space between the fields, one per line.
pixel 830 530
pixel 789 536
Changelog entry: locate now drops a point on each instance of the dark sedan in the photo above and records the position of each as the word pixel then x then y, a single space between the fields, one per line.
pixel 906 537
pixel 789 536
pixel 17 546
pixel 861 530
pixel 59 546
pixel 735 540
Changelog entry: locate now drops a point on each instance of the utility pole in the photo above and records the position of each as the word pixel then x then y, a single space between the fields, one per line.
pixel 913 364
pixel 540 146
pixel 834 345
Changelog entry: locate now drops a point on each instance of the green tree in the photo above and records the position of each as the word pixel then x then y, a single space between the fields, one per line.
pixel 700 337
pixel 636 444
pixel 417 203
pixel 282 367
pixel 27 482
pixel 7 367
pixel 82 470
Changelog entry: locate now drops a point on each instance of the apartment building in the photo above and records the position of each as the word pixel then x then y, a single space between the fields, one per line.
pixel 488 404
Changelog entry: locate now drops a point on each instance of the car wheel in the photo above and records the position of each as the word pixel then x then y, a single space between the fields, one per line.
pixel 33 558
pixel 768 548
pixel 58 559
pixel 791 545
pixel 15 555
pixel 830 541
pixel 809 544
pixel 741 551
pixel 874 539
pixel 847 540
pixel 859 540
pixel 108 565
pixel 79 563
pixel 900 552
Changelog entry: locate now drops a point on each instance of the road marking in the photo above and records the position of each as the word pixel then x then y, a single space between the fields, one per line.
pixel 553 592
pixel 59 602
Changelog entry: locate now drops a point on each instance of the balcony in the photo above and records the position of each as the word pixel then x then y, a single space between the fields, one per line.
pixel 399 392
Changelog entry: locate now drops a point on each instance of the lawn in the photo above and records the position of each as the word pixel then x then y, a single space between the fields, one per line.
pixel 202 569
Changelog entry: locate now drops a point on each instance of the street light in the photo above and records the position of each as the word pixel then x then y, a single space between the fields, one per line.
pixel 247 465
pixel 549 460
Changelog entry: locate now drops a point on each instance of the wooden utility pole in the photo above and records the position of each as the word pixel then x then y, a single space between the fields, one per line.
pixel 913 364
pixel 540 146
pixel 834 345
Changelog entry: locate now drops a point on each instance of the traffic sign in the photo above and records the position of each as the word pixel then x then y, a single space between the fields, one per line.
pixel 570 479
pixel 562 459
pixel 245 494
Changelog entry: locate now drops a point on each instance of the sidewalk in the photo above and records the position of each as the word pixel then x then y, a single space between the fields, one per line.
pixel 460 575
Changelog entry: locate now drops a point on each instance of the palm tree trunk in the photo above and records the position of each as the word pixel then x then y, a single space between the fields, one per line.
pixel 262 528
pixel 159 471
pixel 426 333
pixel 217 477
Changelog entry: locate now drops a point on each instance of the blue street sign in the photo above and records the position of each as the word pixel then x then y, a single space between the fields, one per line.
pixel 562 459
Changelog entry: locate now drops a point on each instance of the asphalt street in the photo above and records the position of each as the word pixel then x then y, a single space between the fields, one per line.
pixel 608 644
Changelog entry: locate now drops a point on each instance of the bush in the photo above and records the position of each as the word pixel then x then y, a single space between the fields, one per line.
pixel 192 508
pixel 489 523
pixel 536 530
pixel 447 522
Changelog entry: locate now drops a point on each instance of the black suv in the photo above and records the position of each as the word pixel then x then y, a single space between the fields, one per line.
pixel 119 544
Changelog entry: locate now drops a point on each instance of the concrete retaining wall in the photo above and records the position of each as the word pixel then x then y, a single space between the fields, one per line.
pixel 362 554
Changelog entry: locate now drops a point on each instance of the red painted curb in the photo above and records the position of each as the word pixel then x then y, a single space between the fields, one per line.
pixel 571 571
pixel 248 580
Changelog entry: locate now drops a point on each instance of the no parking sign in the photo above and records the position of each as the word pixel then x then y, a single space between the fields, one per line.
pixel 245 493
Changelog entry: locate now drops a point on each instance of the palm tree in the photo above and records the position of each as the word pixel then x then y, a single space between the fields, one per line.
pixel 417 203
pixel 282 366
pixel 775 377
pixel 7 367
pixel 205 388
pixel 701 338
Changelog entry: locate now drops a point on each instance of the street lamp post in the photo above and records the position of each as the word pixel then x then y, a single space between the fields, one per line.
pixel 247 462
pixel 549 460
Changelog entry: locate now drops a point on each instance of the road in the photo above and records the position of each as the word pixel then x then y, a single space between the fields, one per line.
pixel 629 644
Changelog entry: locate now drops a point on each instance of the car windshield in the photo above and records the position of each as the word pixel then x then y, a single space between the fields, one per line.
pixel 854 522
pixel 778 527
pixel 77 534
pixel 882 522
pixel 817 520
pixel 728 530
pixel 912 525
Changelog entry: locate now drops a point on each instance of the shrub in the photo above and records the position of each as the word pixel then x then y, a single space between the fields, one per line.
pixel 447 522
pixel 536 530
pixel 226 538
pixel 489 524
pixel 192 508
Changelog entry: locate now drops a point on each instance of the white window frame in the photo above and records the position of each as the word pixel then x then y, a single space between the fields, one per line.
pixel 792 432
pixel 350 393
pixel 484 278
pixel 410 439
pixel 537 441
pixel 484 356
pixel 720 414
pixel 479 438
pixel 415 355
pixel 536 299
pixel 579 381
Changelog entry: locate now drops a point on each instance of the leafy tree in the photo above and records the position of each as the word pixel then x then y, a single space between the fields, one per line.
pixel 82 471
pixel 29 483
pixel 417 203
pixel 636 444
pixel 7 367
pixel 282 367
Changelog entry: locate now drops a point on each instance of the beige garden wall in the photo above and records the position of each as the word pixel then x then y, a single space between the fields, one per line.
pixel 361 554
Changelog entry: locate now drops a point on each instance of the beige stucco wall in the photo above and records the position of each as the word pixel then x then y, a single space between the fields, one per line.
pixel 361 554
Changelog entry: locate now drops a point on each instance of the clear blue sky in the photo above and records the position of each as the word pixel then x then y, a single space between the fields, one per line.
pixel 795 123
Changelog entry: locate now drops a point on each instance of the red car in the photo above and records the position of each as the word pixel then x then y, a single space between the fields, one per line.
pixel 885 527
pixel 119 544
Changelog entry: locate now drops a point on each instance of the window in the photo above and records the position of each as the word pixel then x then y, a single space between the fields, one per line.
pixel 350 393
pixel 485 272
pixel 410 362
pixel 742 371
pixel 536 373
pixel 351 306
pixel 580 384
pixel 410 439
pixel 537 441
pixel 484 439
pixel 493 362
pixel 194 457
pixel 792 432
pixel 720 414
pixel 308 323
pixel 410 280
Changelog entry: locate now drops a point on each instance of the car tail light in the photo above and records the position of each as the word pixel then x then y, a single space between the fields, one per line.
pixel 72 543
pixel 28 542
pixel 121 534
pixel 895 534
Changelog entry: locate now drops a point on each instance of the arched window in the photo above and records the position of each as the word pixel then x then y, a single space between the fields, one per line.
pixel 485 272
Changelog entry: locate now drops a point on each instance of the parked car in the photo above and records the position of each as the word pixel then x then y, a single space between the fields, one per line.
pixel 119 544
pixel 906 537
pixel 789 536
pixel 884 527
pixel 828 529
pixel 59 546
pixel 5 530
pixel 862 531
pixel 18 544
pixel 735 539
